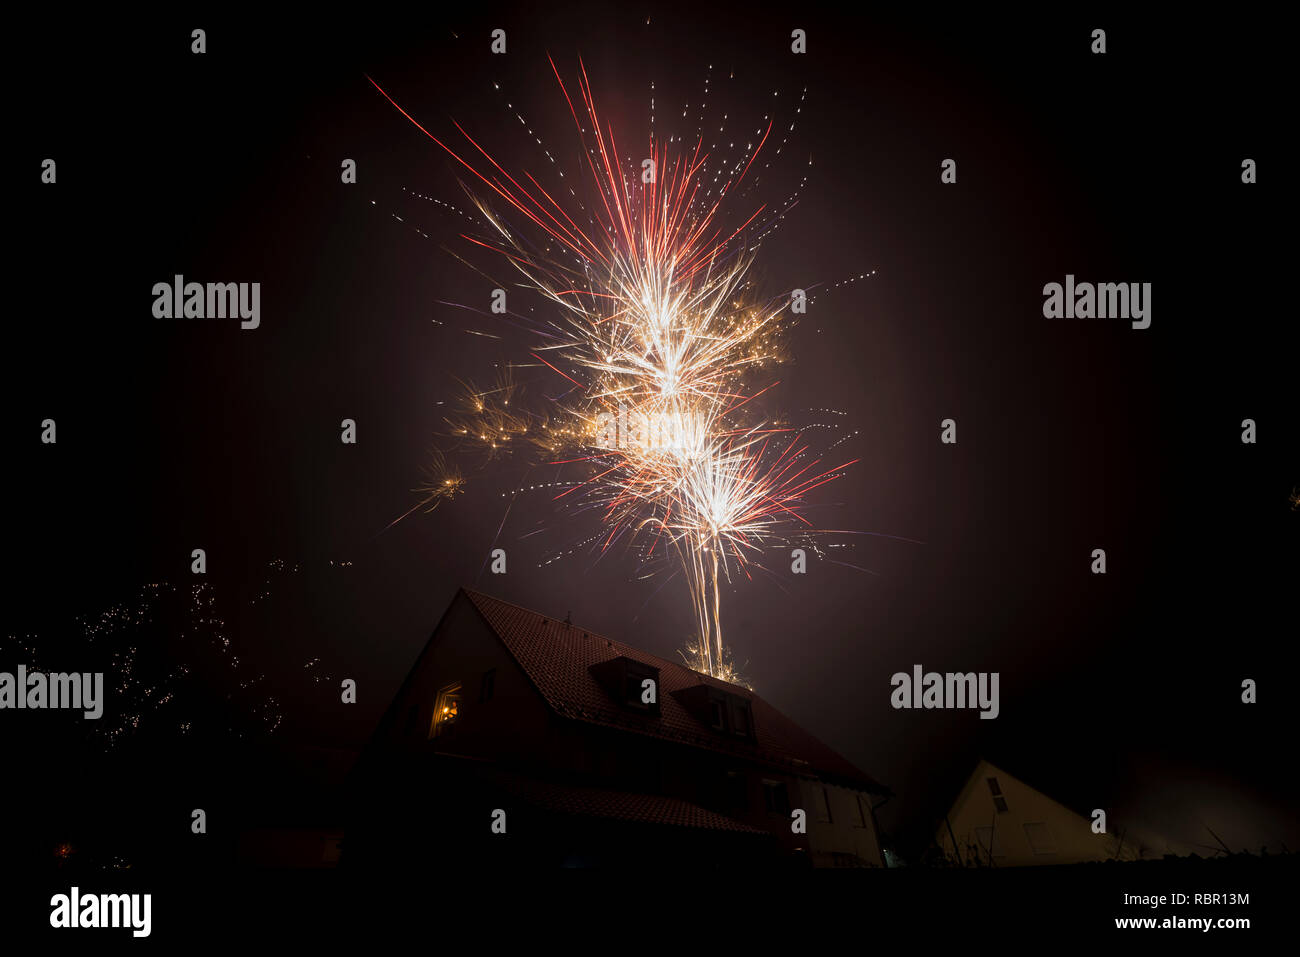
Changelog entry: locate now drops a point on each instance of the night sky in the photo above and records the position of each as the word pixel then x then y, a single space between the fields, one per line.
pixel 1120 690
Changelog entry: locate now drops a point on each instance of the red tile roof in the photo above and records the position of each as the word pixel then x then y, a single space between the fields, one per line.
pixel 556 657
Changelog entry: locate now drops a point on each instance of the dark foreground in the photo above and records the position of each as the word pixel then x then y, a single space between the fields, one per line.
pixel 444 897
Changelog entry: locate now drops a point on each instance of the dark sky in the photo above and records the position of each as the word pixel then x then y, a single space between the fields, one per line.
pixel 1116 690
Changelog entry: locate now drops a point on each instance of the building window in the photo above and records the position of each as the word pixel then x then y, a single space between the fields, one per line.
pixel 1040 838
pixel 776 796
pixel 635 687
pixel 985 835
pixel 487 686
pixel 731 714
pixel 999 801
pixel 862 812
pixel 446 710
pixel 825 816
pixel 631 684
pixel 718 712
pixel 740 717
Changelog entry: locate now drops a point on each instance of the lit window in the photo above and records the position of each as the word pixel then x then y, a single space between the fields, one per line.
pixel 446 710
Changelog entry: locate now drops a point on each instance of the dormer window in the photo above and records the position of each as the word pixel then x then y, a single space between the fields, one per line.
pixel 631 683
pixel 740 717
pixel 718 710
pixel 731 714
pixel 724 712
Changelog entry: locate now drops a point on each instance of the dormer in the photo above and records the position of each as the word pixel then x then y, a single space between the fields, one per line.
pixel 632 684
pixel 724 712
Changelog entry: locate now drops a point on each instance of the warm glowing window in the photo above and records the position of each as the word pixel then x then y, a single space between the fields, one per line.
pixel 446 710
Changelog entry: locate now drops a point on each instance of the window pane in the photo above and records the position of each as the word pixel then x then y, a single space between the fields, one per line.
pixel 719 715
pixel 1040 838
pixel 776 796
pixel 983 834
pixel 446 710
pixel 742 719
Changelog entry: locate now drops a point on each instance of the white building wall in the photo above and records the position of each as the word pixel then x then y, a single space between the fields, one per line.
pixel 1033 830
pixel 850 831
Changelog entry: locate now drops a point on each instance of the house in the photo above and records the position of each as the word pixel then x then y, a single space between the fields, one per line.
pixel 998 820
pixel 519 739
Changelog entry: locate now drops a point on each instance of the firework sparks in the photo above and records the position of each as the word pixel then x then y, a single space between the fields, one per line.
pixel 658 340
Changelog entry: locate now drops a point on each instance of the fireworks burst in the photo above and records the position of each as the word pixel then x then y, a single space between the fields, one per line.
pixel 658 339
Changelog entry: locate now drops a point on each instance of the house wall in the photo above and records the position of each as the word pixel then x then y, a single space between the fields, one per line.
pixel 759 816
pixel 624 760
pixel 704 778
pixel 846 836
pixel 512 726
pixel 1069 833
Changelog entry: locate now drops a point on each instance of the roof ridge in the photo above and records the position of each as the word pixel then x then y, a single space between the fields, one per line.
pixel 701 677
